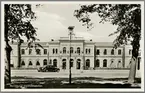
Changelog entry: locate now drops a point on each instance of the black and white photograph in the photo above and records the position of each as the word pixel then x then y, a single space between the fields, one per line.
pixel 72 46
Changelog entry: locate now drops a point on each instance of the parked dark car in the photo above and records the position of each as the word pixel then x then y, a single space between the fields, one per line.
pixel 48 68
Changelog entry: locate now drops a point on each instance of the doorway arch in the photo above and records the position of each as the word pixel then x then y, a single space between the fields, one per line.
pixel 64 64
pixel 78 65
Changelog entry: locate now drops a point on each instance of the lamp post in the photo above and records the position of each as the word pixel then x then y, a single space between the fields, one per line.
pixel 70 28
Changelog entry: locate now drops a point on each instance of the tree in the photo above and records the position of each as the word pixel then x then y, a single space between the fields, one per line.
pixel 127 17
pixel 17 25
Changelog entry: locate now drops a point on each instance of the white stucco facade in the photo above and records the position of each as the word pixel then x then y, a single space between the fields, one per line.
pixel 85 55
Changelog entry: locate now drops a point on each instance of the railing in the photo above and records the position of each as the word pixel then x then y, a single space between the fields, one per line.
pixel 74 38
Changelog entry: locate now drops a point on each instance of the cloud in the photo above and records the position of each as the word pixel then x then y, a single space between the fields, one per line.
pixel 86 35
pixel 49 25
pixel 52 22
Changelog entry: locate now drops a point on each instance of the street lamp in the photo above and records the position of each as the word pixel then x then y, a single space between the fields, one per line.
pixel 70 28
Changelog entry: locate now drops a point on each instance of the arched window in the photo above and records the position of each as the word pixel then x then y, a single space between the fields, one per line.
pixel 119 52
pixel 64 64
pixel 78 50
pixel 30 63
pixel 71 49
pixel 55 63
pixel 30 51
pixel 88 63
pixel 56 51
pixel 38 52
pixel 98 52
pixel 23 63
pixel 37 63
pixel 104 63
pixel 64 50
pixel 86 51
pixel 112 52
pixel 71 62
pixel 45 51
pixel 53 51
pixel 45 62
pixel 78 64
pixel 89 51
pixel 23 51
pixel 105 51
pixel 97 63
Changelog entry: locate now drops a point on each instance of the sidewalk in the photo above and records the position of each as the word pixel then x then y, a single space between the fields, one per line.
pixel 84 73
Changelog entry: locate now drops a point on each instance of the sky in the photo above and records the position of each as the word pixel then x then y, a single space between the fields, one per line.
pixel 53 20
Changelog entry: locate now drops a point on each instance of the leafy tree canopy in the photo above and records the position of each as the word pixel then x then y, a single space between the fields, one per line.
pixel 127 17
pixel 18 17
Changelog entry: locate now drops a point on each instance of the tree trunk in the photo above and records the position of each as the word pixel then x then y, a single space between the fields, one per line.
pixel 132 72
pixel 135 50
pixel 8 50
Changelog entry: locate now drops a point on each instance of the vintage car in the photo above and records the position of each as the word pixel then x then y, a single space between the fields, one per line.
pixel 48 68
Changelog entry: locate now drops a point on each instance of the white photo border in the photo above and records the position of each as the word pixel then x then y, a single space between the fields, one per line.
pixel 72 90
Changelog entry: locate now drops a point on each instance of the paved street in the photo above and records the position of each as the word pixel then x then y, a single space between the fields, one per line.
pixel 86 73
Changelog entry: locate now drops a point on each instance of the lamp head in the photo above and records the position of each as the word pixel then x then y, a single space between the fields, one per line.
pixel 71 28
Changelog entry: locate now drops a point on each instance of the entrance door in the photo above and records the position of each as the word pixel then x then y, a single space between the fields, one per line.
pixel 78 64
pixel 55 63
pixel 64 64
pixel 87 64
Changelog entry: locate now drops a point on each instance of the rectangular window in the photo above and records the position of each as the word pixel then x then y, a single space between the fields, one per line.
pixel 98 52
pixel 23 51
pixel 71 64
pixel 105 51
pixel 45 51
pixel 119 52
pixel 30 51
pixel 112 52
pixel 38 52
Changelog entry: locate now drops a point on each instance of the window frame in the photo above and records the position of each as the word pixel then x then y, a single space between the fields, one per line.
pixel 78 50
pixel 119 52
pixel 98 52
pixel 38 52
pixel 45 51
pixel 71 50
pixel 45 62
pixel 105 63
pixel 105 52
pixel 112 51
pixel 23 51
pixel 64 50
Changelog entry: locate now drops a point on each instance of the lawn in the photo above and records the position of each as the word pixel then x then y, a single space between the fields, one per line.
pixel 81 82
